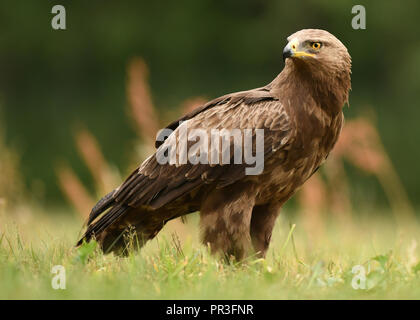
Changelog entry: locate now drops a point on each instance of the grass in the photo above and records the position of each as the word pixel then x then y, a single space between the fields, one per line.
pixel 301 263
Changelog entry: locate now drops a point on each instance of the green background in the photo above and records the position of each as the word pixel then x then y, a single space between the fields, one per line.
pixel 52 81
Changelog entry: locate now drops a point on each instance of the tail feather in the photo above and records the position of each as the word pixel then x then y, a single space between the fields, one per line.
pixel 102 205
pixel 115 211
pixel 110 219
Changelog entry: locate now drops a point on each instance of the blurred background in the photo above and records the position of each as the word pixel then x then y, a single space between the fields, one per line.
pixel 79 107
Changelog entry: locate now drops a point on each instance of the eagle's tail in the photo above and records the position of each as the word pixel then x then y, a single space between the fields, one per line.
pixel 113 224
pixel 111 212
pixel 102 205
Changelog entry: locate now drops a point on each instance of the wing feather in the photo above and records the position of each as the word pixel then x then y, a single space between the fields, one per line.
pixel 156 185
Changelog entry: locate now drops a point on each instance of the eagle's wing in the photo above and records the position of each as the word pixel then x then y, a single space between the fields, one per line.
pixel 155 185
pixel 249 97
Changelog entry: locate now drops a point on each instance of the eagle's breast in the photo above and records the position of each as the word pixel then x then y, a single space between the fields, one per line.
pixel 315 133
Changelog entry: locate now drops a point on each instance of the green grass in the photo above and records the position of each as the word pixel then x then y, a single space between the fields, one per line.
pixel 301 264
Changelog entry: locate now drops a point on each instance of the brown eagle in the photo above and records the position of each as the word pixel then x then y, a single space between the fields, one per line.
pixel 300 113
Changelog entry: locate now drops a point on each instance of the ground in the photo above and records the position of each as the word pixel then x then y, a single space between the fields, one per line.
pixel 301 264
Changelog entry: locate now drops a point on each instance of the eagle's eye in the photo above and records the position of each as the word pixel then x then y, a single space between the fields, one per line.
pixel 316 45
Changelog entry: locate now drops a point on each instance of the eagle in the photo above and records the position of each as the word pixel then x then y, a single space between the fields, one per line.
pixel 300 115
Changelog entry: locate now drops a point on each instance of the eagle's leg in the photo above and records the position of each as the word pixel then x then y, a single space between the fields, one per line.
pixel 225 218
pixel 262 224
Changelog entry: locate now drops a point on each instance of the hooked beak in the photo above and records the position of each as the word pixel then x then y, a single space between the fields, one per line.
pixel 292 51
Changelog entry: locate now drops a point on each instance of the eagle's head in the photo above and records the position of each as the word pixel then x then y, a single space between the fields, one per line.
pixel 319 57
pixel 319 50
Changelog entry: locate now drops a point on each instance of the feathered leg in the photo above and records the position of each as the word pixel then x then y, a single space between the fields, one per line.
pixel 225 218
pixel 262 224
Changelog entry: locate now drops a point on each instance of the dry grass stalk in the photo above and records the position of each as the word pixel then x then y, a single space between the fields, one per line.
pixel 12 188
pixel 74 190
pixel 313 201
pixel 338 190
pixel 92 155
pixel 362 146
pixel 140 101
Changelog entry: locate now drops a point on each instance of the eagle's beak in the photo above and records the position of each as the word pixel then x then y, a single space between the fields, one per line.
pixel 292 50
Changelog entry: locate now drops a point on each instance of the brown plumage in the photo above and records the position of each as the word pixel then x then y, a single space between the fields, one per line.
pixel 301 114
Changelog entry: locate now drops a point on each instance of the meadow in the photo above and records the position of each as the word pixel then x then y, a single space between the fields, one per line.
pixel 302 262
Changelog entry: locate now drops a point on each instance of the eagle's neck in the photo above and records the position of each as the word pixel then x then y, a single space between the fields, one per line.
pixel 330 92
